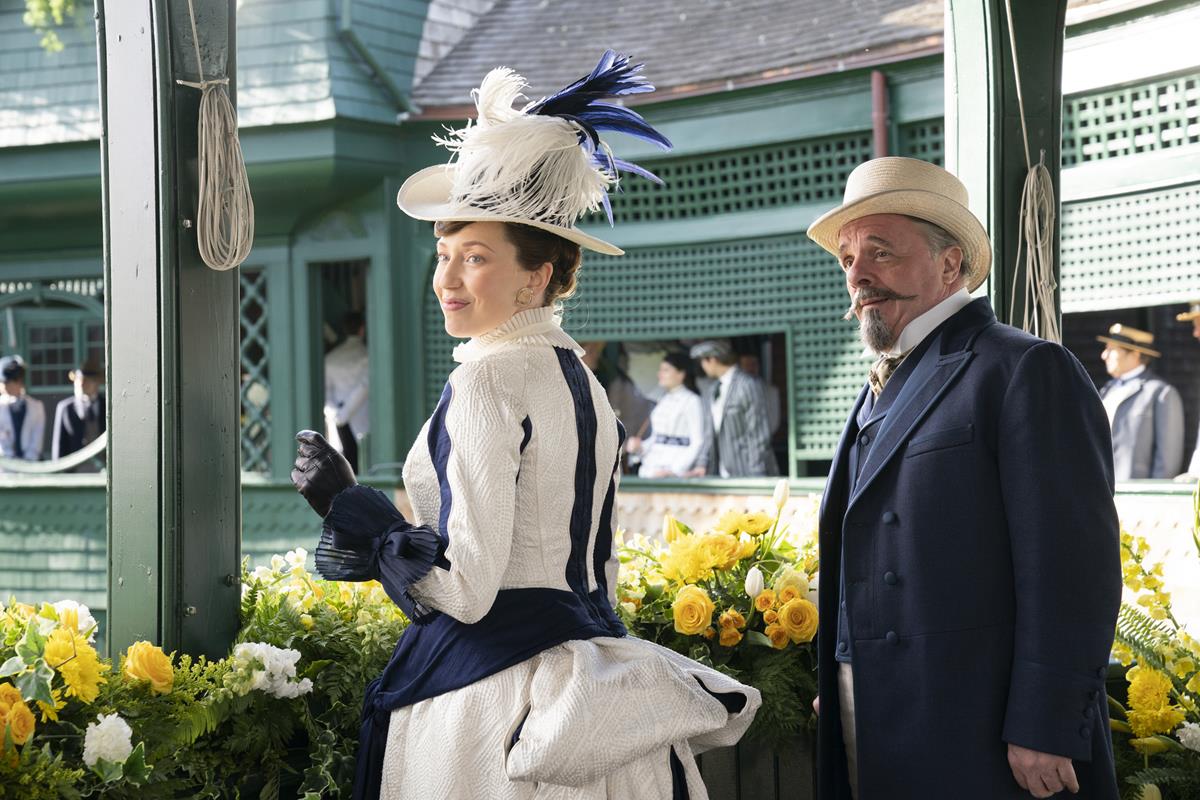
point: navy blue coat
(987, 501)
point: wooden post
(174, 506)
(984, 145)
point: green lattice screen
(438, 346)
(783, 283)
(1134, 250)
(795, 173)
(256, 379)
(1135, 119)
(925, 140)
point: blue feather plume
(582, 103)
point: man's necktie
(882, 370)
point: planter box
(756, 772)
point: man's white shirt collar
(1133, 373)
(915, 332)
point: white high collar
(915, 331)
(535, 326)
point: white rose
(110, 738)
(754, 582)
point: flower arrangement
(156, 725)
(739, 597)
(1156, 732)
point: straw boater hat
(1192, 313)
(1131, 339)
(543, 165)
(895, 185)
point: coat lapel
(835, 485)
(924, 387)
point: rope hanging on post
(1037, 228)
(225, 224)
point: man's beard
(874, 332)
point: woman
(676, 424)
(516, 679)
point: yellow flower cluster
(70, 655)
(15, 716)
(1150, 709)
(752, 523)
(732, 623)
(692, 557)
(1143, 578)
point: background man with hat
(80, 419)
(969, 521)
(22, 418)
(1145, 412)
(1192, 315)
(740, 432)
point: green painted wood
(983, 124)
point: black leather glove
(320, 472)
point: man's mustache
(869, 295)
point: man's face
(891, 275)
(710, 366)
(14, 388)
(1119, 360)
(1196, 328)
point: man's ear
(951, 263)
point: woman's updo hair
(534, 248)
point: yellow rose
(764, 601)
(787, 594)
(9, 696)
(730, 637)
(76, 661)
(777, 635)
(799, 618)
(732, 619)
(147, 662)
(20, 723)
(770, 617)
(710, 633)
(692, 610)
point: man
(737, 410)
(80, 419)
(22, 418)
(630, 405)
(1145, 412)
(347, 411)
(1192, 315)
(968, 531)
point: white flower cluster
(86, 623)
(109, 738)
(1189, 736)
(266, 668)
(287, 576)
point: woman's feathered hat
(543, 165)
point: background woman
(516, 679)
(677, 429)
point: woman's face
(669, 377)
(478, 280)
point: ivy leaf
(109, 771)
(12, 666)
(137, 771)
(35, 684)
(32, 645)
(758, 638)
(315, 668)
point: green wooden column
(172, 338)
(983, 121)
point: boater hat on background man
(913, 188)
(543, 165)
(1131, 339)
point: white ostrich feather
(524, 166)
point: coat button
(889, 517)
(1087, 713)
(890, 578)
(1093, 695)
(1085, 732)
(843, 647)
(893, 637)
(864, 440)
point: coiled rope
(1037, 229)
(225, 213)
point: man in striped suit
(737, 411)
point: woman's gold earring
(525, 296)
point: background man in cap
(1192, 315)
(22, 418)
(968, 532)
(80, 419)
(1145, 412)
(737, 404)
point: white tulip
(754, 582)
(782, 493)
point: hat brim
(1136, 347)
(957, 220)
(426, 196)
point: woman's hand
(633, 444)
(320, 472)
